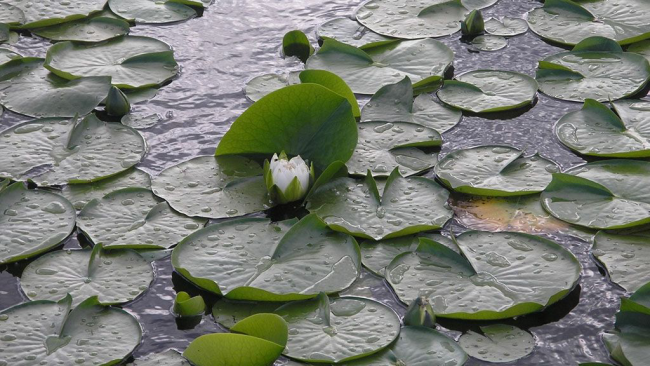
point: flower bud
(287, 180)
(117, 104)
(420, 314)
(473, 24)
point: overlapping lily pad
(499, 343)
(260, 86)
(115, 276)
(629, 342)
(254, 259)
(407, 206)
(134, 218)
(496, 276)
(506, 26)
(130, 61)
(483, 91)
(45, 13)
(11, 14)
(624, 257)
(7, 55)
(26, 87)
(611, 194)
(95, 29)
(367, 70)
(32, 221)
(167, 358)
(495, 171)
(350, 32)
(152, 11)
(642, 48)
(81, 194)
(56, 151)
(228, 312)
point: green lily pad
(367, 70)
(496, 276)
(115, 276)
(32, 221)
(11, 14)
(167, 358)
(266, 265)
(26, 87)
(395, 103)
(56, 151)
(610, 194)
(95, 29)
(642, 48)
(506, 27)
(596, 68)
(131, 61)
(597, 131)
(260, 86)
(210, 187)
(417, 346)
(134, 218)
(499, 343)
(483, 91)
(337, 330)
(318, 124)
(489, 43)
(413, 20)
(349, 31)
(152, 11)
(228, 312)
(568, 22)
(43, 332)
(624, 257)
(7, 55)
(407, 206)
(81, 194)
(639, 301)
(495, 171)
(44, 13)
(629, 342)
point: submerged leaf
(499, 343)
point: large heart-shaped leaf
(367, 70)
(483, 91)
(349, 31)
(597, 131)
(206, 186)
(495, 171)
(26, 87)
(115, 276)
(32, 221)
(611, 194)
(152, 11)
(81, 194)
(45, 333)
(130, 61)
(407, 206)
(496, 276)
(135, 218)
(95, 29)
(253, 259)
(337, 330)
(498, 343)
(44, 13)
(308, 120)
(569, 22)
(506, 27)
(624, 257)
(56, 151)
(167, 358)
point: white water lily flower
(287, 180)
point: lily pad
(337, 330)
(134, 218)
(385, 146)
(395, 103)
(407, 206)
(642, 48)
(7, 55)
(624, 257)
(45, 13)
(506, 27)
(81, 194)
(140, 121)
(349, 31)
(228, 312)
(495, 171)
(56, 151)
(629, 343)
(32, 221)
(114, 277)
(478, 4)
(496, 276)
(610, 194)
(26, 87)
(43, 332)
(131, 61)
(596, 68)
(214, 188)
(94, 29)
(413, 19)
(484, 91)
(597, 131)
(167, 358)
(11, 14)
(499, 343)
(568, 22)
(260, 86)
(417, 346)
(152, 11)
(253, 259)
(367, 70)
(489, 43)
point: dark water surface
(236, 40)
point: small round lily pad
(499, 343)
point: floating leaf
(140, 121)
(499, 343)
(167, 358)
(260, 86)
(295, 43)
(478, 4)
(350, 32)
(55, 151)
(152, 11)
(228, 313)
(114, 277)
(624, 257)
(266, 326)
(489, 43)
(334, 83)
(94, 29)
(11, 15)
(629, 343)
(134, 218)
(131, 61)
(483, 91)
(29, 229)
(642, 48)
(81, 194)
(7, 55)
(367, 70)
(185, 305)
(45, 13)
(496, 276)
(506, 27)
(407, 206)
(609, 194)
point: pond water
(236, 40)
